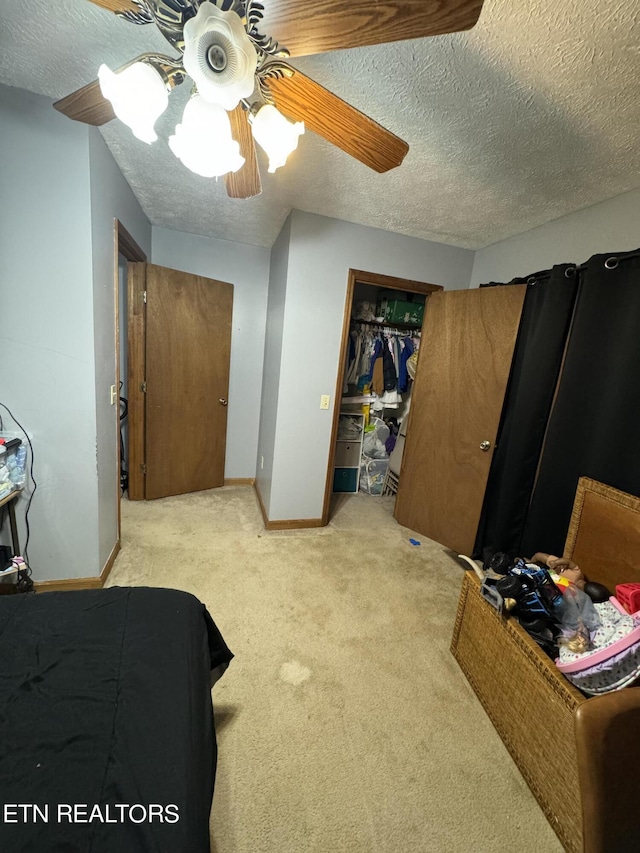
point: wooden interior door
(456, 403)
(186, 353)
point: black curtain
(546, 317)
(594, 428)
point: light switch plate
(324, 401)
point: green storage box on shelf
(345, 479)
(401, 311)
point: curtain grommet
(611, 263)
(570, 272)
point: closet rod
(408, 331)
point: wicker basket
(530, 703)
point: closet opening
(381, 336)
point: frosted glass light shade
(203, 140)
(219, 56)
(139, 97)
(275, 134)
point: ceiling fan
(244, 89)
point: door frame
(389, 282)
(123, 244)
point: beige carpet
(344, 724)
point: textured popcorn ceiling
(531, 115)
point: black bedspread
(107, 742)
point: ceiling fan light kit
(138, 95)
(219, 56)
(276, 135)
(203, 140)
(244, 91)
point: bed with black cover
(107, 743)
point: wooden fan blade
(340, 24)
(245, 183)
(302, 99)
(87, 105)
(116, 5)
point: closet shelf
(346, 471)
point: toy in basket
(607, 655)
(594, 640)
(614, 662)
(628, 594)
(599, 641)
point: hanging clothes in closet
(377, 361)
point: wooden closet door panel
(188, 347)
(463, 369)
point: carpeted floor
(344, 724)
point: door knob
(223, 401)
(485, 445)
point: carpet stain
(293, 672)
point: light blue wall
(247, 268)
(272, 363)
(610, 226)
(46, 334)
(111, 199)
(321, 253)
(61, 190)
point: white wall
(111, 198)
(46, 335)
(610, 226)
(321, 253)
(247, 268)
(272, 363)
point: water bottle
(17, 466)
